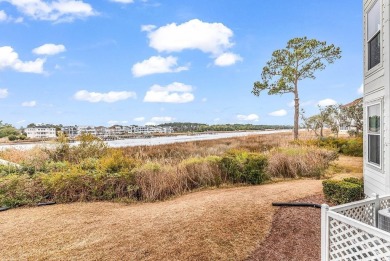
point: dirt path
(222, 224)
(295, 234)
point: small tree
(300, 59)
(334, 116)
(328, 116)
(317, 122)
(352, 116)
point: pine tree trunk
(296, 119)
(296, 112)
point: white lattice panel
(364, 213)
(384, 204)
(348, 243)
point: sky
(141, 62)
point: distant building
(41, 133)
(86, 130)
(115, 130)
(152, 129)
(70, 131)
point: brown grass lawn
(219, 224)
(346, 167)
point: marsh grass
(299, 161)
(94, 172)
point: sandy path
(221, 224)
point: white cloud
(211, 38)
(3, 93)
(148, 28)
(173, 93)
(150, 123)
(227, 59)
(327, 102)
(250, 117)
(112, 122)
(278, 113)
(157, 64)
(162, 119)
(29, 104)
(123, 1)
(361, 89)
(19, 20)
(58, 11)
(204, 99)
(10, 59)
(3, 16)
(217, 119)
(84, 95)
(139, 119)
(301, 104)
(49, 49)
(21, 121)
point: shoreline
(154, 141)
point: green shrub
(81, 185)
(18, 190)
(354, 181)
(353, 147)
(12, 137)
(116, 161)
(345, 146)
(244, 167)
(8, 169)
(343, 191)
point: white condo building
(40, 133)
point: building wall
(376, 90)
(40, 133)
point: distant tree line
(201, 127)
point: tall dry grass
(156, 172)
(299, 161)
(176, 152)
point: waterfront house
(41, 133)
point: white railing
(349, 232)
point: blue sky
(150, 61)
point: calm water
(155, 141)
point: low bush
(19, 190)
(202, 172)
(12, 137)
(89, 147)
(116, 161)
(343, 191)
(241, 166)
(353, 147)
(78, 185)
(8, 170)
(345, 146)
(297, 161)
